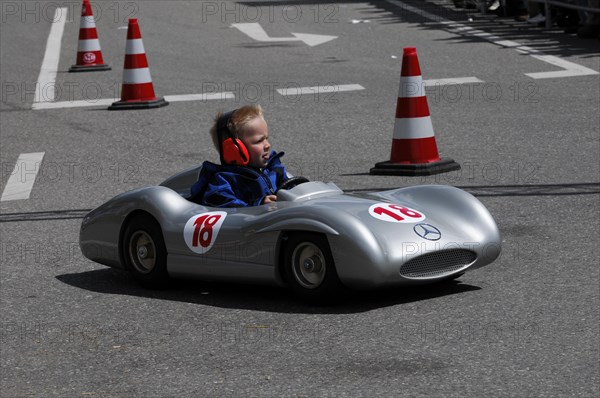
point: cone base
(388, 168)
(126, 105)
(91, 68)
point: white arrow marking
(256, 32)
(569, 68)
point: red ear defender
(235, 152)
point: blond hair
(239, 121)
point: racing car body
(315, 237)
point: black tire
(145, 253)
(309, 269)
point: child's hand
(269, 199)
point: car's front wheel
(145, 253)
(309, 268)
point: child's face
(256, 139)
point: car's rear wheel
(145, 253)
(309, 268)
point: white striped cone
(89, 54)
(414, 149)
(414, 140)
(137, 91)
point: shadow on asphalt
(257, 298)
(433, 15)
(586, 188)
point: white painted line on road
(200, 97)
(452, 80)
(108, 101)
(74, 104)
(45, 87)
(507, 43)
(570, 69)
(291, 91)
(21, 180)
(333, 88)
(256, 32)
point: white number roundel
(395, 213)
(201, 231)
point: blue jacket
(238, 186)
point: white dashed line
(287, 92)
(21, 180)
(316, 90)
(200, 97)
(104, 102)
(452, 80)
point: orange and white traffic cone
(89, 54)
(137, 91)
(414, 150)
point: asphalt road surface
(520, 116)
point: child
(250, 172)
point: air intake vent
(438, 264)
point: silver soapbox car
(316, 239)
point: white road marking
(414, 86)
(506, 43)
(569, 69)
(21, 180)
(316, 90)
(452, 80)
(256, 32)
(200, 97)
(74, 104)
(45, 86)
(108, 101)
(287, 92)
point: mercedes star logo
(427, 231)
